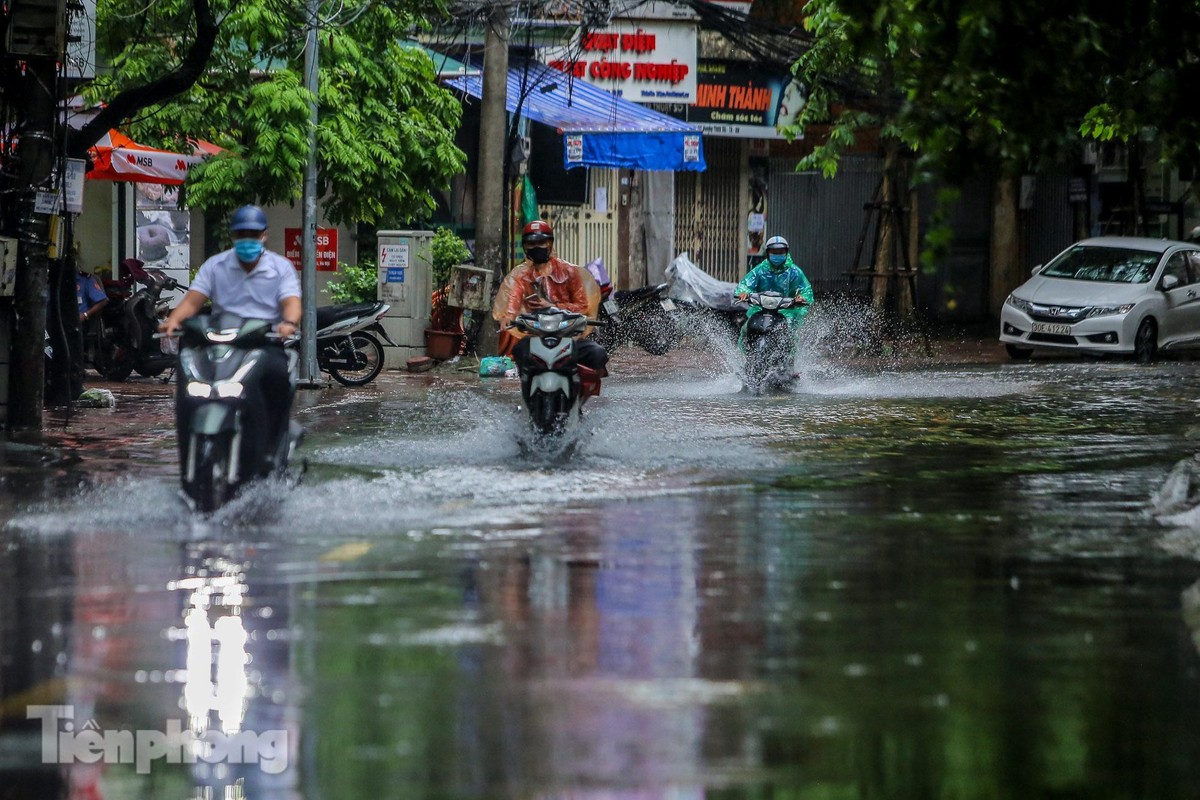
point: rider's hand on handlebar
(168, 326)
(743, 297)
(285, 329)
(800, 301)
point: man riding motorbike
(777, 273)
(544, 280)
(251, 282)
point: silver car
(1112, 294)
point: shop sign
(327, 248)
(639, 60)
(738, 99)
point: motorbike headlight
(229, 389)
(1019, 304)
(198, 389)
(1105, 311)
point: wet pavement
(923, 574)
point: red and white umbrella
(116, 157)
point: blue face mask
(248, 249)
(777, 260)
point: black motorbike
(769, 345)
(123, 339)
(347, 347)
(554, 384)
(642, 316)
(225, 441)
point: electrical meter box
(405, 265)
(8, 266)
(470, 287)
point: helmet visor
(536, 239)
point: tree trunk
(1006, 271)
(882, 256)
(892, 285)
(1137, 187)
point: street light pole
(309, 371)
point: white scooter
(554, 384)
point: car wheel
(1018, 353)
(1145, 342)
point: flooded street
(915, 580)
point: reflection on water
(909, 583)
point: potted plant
(444, 335)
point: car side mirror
(1169, 282)
(1037, 269)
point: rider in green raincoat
(778, 273)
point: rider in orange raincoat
(545, 280)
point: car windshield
(1112, 264)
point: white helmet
(776, 242)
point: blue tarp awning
(599, 129)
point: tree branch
(175, 82)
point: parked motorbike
(123, 339)
(555, 385)
(769, 345)
(347, 347)
(642, 316)
(704, 303)
(224, 443)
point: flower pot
(442, 345)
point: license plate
(667, 303)
(1051, 327)
(611, 307)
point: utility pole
(36, 161)
(490, 189)
(309, 371)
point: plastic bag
(495, 366)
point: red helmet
(537, 232)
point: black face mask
(538, 255)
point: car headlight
(1019, 304)
(1104, 311)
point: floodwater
(905, 580)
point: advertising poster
(737, 99)
(163, 230)
(756, 220)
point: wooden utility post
(493, 137)
(26, 394)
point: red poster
(327, 248)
